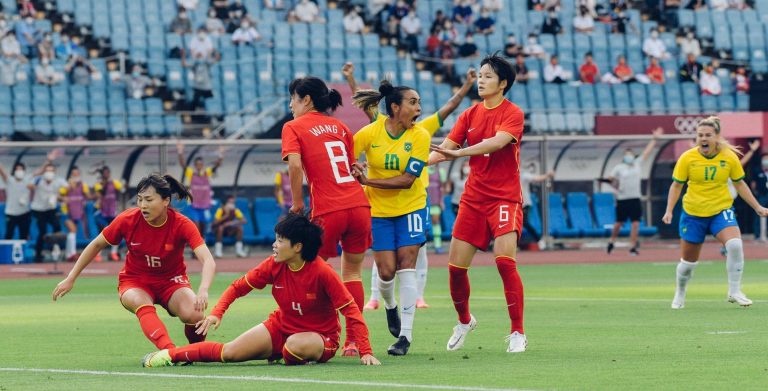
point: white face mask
(465, 170)
(629, 159)
(765, 163)
(48, 175)
(75, 179)
(19, 174)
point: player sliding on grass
(154, 271)
(491, 206)
(708, 207)
(305, 328)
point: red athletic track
(658, 251)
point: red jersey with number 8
(327, 149)
(155, 251)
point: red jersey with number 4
(494, 176)
(327, 152)
(307, 299)
(156, 251)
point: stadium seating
(581, 217)
(558, 226)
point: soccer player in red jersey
(491, 206)
(304, 328)
(154, 271)
(322, 147)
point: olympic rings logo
(687, 125)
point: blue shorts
(102, 221)
(199, 215)
(391, 233)
(694, 229)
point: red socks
(458, 281)
(513, 291)
(153, 327)
(355, 288)
(292, 359)
(198, 352)
(192, 337)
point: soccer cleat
(400, 347)
(393, 321)
(114, 257)
(740, 299)
(241, 254)
(460, 332)
(160, 358)
(609, 248)
(633, 251)
(350, 350)
(371, 305)
(420, 303)
(678, 302)
(517, 342)
(97, 258)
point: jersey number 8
(336, 160)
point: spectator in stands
(653, 46)
(521, 70)
(493, 5)
(353, 23)
(709, 82)
(274, 4)
(741, 81)
(201, 46)
(462, 11)
(551, 23)
(655, 72)
(696, 4)
(691, 70)
(533, 48)
(392, 30)
(45, 47)
(202, 85)
(214, 25)
(46, 74)
(439, 21)
(181, 24)
(26, 8)
(668, 10)
(5, 26)
(10, 59)
(27, 35)
(485, 24)
(433, 42)
(554, 72)
(69, 47)
(222, 8)
(282, 191)
(410, 27)
(246, 34)
(136, 84)
(588, 72)
(512, 48)
(80, 70)
(236, 12)
(619, 22)
(540, 5)
(690, 45)
(529, 176)
(622, 73)
(18, 189)
(447, 55)
(399, 9)
(228, 221)
(590, 5)
(449, 32)
(190, 5)
(583, 22)
(718, 5)
(307, 12)
(45, 205)
(468, 48)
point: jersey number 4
(337, 160)
(296, 307)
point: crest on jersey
(722, 163)
(408, 147)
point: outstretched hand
(203, 326)
(754, 145)
(471, 76)
(657, 132)
(368, 359)
(448, 154)
(348, 70)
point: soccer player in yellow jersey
(432, 124)
(708, 207)
(396, 151)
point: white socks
(734, 264)
(71, 244)
(421, 272)
(217, 250)
(375, 295)
(684, 273)
(114, 249)
(387, 291)
(407, 301)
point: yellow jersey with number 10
(707, 179)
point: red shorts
(160, 289)
(331, 344)
(351, 227)
(477, 224)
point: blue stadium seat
(539, 122)
(657, 104)
(691, 98)
(266, 212)
(674, 97)
(639, 98)
(558, 226)
(604, 98)
(742, 102)
(709, 104)
(552, 96)
(621, 99)
(604, 205)
(581, 217)
(534, 215)
(726, 102)
(573, 122)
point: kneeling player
(305, 328)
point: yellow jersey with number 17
(707, 179)
(389, 157)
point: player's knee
(190, 316)
(734, 246)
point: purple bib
(200, 188)
(76, 202)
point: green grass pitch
(589, 327)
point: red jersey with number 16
(327, 152)
(495, 176)
(156, 251)
(307, 298)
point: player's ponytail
(334, 99)
(368, 100)
(165, 185)
(722, 143)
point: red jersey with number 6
(156, 251)
(327, 149)
(494, 176)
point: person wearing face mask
(214, 25)
(45, 48)
(410, 27)
(107, 191)
(137, 83)
(626, 178)
(653, 46)
(527, 177)
(74, 195)
(512, 48)
(551, 24)
(181, 24)
(485, 23)
(245, 34)
(709, 83)
(18, 188)
(690, 45)
(45, 206)
(46, 74)
(307, 11)
(533, 48)
(228, 221)
(201, 46)
(27, 35)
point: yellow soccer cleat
(160, 358)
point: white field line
(251, 379)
